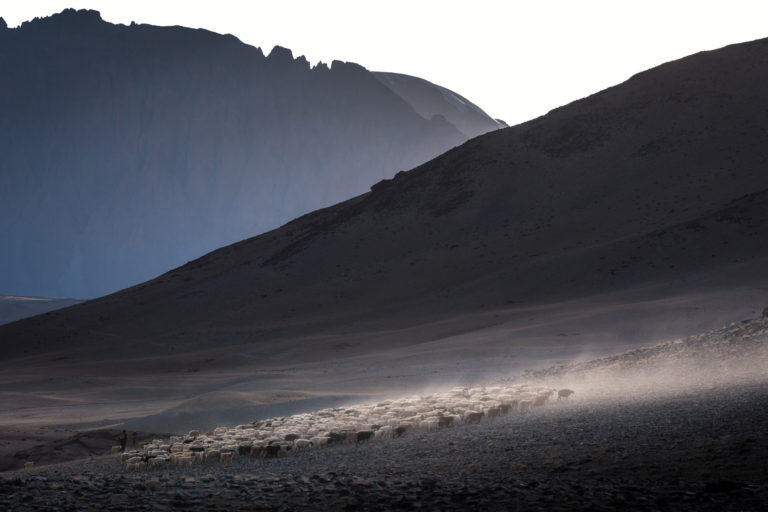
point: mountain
(15, 308)
(636, 214)
(129, 150)
(429, 100)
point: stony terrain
(692, 451)
(681, 445)
(20, 446)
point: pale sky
(515, 59)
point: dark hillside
(658, 181)
(129, 150)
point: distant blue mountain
(128, 150)
(15, 308)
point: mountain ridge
(131, 149)
(430, 99)
(14, 308)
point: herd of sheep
(390, 418)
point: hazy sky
(515, 59)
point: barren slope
(648, 197)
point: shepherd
(123, 438)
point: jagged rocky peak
(280, 54)
(301, 59)
(338, 65)
(321, 66)
(3, 24)
(71, 17)
(283, 57)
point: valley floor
(700, 449)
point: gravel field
(699, 450)
(678, 426)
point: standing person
(123, 438)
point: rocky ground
(21, 445)
(698, 446)
(703, 450)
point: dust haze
(736, 355)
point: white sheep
(158, 462)
(302, 444)
(319, 441)
(430, 424)
(473, 416)
(390, 418)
